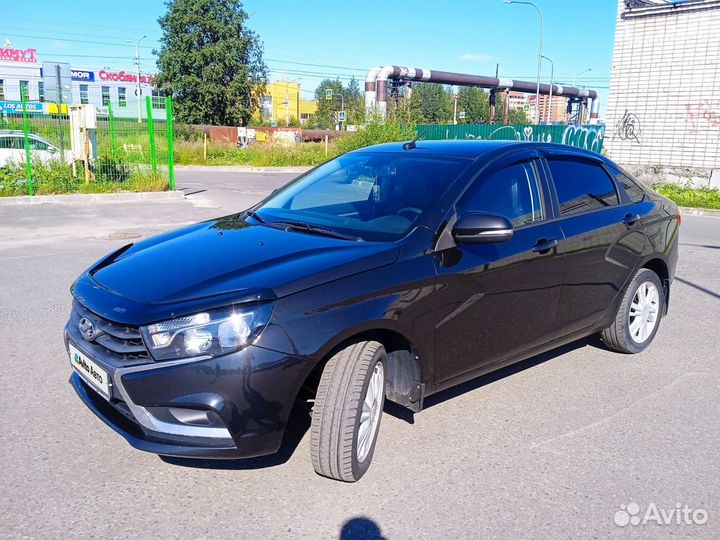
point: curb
(708, 212)
(88, 198)
(243, 168)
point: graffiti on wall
(587, 137)
(705, 113)
(628, 128)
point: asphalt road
(550, 448)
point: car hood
(226, 258)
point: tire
(336, 447)
(624, 335)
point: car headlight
(210, 333)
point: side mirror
(482, 228)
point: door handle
(543, 246)
(631, 219)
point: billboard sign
(83, 75)
(22, 56)
(15, 107)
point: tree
(210, 62)
(355, 103)
(430, 103)
(325, 115)
(474, 102)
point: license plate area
(93, 374)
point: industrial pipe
(462, 79)
(370, 89)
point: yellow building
(282, 104)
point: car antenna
(410, 145)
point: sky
(309, 40)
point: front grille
(118, 340)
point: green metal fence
(588, 137)
(85, 153)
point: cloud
(468, 57)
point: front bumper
(251, 393)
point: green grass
(257, 155)
(690, 197)
(57, 178)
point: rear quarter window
(630, 186)
(581, 186)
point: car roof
(11, 132)
(473, 149)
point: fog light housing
(187, 417)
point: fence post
(26, 130)
(111, 126)
(171, 143)
(151, 133)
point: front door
(495, 300)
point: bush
(107, 169)
(376, 132)
(184, 132)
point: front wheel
(638, 316)
(347, 412)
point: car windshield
(375, 197)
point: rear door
(602, 238)
(495, 300)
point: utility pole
(492, 97)
(138, 92)
(59, 112)
(455, 100)
(578, 119)
(540, 55)
(552, 76)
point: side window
(581, 185)
(5, 142)
(37, 144)
(634, 192)
(513, 192)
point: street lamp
(540, 54)
(552, 78)
(579, 120)
(137, 74)
(580, 73)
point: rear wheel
(638, 316)
(347, 412)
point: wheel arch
(406, 373)
(658, 265)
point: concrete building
(664, 99)
(554, 112)
(282, 104)
(518, 100)
(21, 68)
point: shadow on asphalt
(698, 287)
(361, 528)
(299, 422)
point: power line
(79, 41)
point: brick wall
(664, 99)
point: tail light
(679, 218)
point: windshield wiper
(312, 229)
(253, 214)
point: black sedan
(394, 271)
